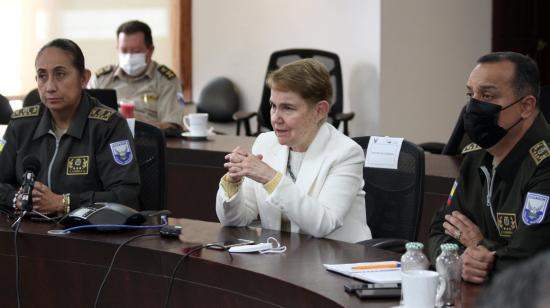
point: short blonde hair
(307, 77)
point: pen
(376, 266)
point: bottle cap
(449, 247)
(414, 245)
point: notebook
(377, 272)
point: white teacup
(197, 124)
(420, 288)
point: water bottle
(413, 259)
(448, 266)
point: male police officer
(155, 90)
(497, 207)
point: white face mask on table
(132, 63)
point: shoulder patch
(31, 111)
(166, 72)
(104, 70)
(471, 148)
(101, 113)
(539, 152)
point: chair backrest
(105, 96)
(151, 156)
(220, 99)
(394, 197)
(32, 98)
(282, 57)
(458, 139)
(5, 110)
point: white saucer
(188, 135)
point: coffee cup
(421, 288)
(196, 124)
(126, 108)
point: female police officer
(85, 149)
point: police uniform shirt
(514, 222)
(157, 93)
(94, 161)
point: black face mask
(481, 122)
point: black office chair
(220, 99)
(457, 141)
(282, 57)
(151, 155)
(32, 98)
(5, 110)
(394, 198)
(105, 96)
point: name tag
(78, 165)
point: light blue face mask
(132, 63)
(272, 246)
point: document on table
(377, 272)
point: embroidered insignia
(179, 98)
(149, 98)
(104, 70)
(506, 223)
(78, 165)
(166, 72)
(122, 153)
(539, 152)
(101, 113)
(470, 148)
(31, 111)
(534, 208)
(450, 198)
(2, 143)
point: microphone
(31, 167)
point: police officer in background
(85, 149)
(497, 208)
(154, 89)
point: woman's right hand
(236, 156)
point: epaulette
(470, 148)
(101, 113)
(166, 72)
(31, 111)
(539, 152)
(104, 70)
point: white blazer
(327, 199)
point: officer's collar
(508, 168)
(149, 72)
(76, 129)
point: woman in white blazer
(305, 176)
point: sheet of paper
(380, 276)
(377, 272)
(383, 152)
(2, 130)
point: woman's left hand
(251, 166)
(44, 200)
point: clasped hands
(477, 261)
(43, 199)
(242, 163)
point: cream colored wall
(235, 38)
(428, 50)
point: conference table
(194, 169)
(66, 270)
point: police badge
(122, 153)
(534, 208)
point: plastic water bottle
(413, 259)
(448, 266)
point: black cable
(17, 274)
(113, 262)
(183, 257)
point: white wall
(235, 38)
(405, 62)
(428, 49)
